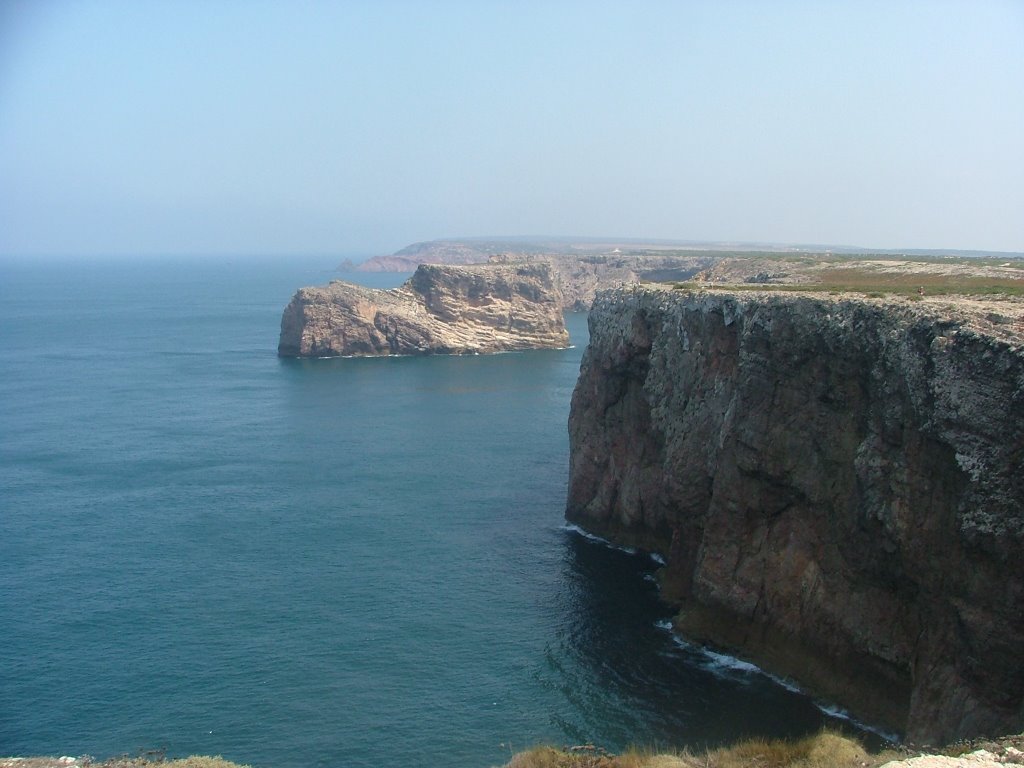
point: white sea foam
(597, 539)
(786, 683)
(573, 528)
(724, 662)
(728, 666)
(724, 665)
(841, 714)
(684, 644)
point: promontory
(441, 309)
(835, 481)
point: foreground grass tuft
(824, 750)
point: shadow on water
(634, 683)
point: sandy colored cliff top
(983, 296)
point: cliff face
(439, 310)
(837, 486)
(579, 275)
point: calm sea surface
(207, 549)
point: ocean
(206, 549)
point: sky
(355, 128)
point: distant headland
(441, 309)
(583, 266)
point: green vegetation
(877, 284)
(799, 257)
(824, 750)
(1013, 261)
(912, 282)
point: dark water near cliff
(298, 563)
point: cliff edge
(836, 484)
(439, 310)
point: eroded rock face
(837, 485)
(581, 277)
(439, 310)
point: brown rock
(837, 485)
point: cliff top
(998, 315)
(584, 267)
(427, 278)
(480, 249)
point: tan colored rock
(583, 268)
(979, 759)
(835, 482)
(581, 277)
(439, 310)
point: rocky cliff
(439, 310)
(837, 485)
(579, 273)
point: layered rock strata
(439, 310)
(837, 485)
(579, 276)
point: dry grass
(909, 283)
(824, 750)
(878, 283)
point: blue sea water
(207, 549)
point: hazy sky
(358, 127)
